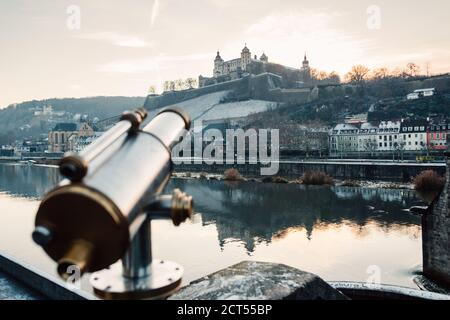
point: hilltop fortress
(244, 81)
(246, 65)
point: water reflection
(257, 213)
(27, 181)
(334, 232)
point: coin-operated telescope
(102, 212)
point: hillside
(210, 107)
(16, 116)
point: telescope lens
(68, 170)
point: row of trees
(176, 85)
(323, 77)
(359, 74)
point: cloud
(130, 66)
(116, 39)
(285, 37)
(74, 87)
(158, 63)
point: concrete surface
(11, 289)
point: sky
(80, 48)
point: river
(339, 233)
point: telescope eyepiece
(73, 167)
(42, 235)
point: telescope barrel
(166, 126)
(91, 223)
(75, 166)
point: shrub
(317, 178)
(232, 175)
(429, 180)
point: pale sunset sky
(123, 47)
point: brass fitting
(182, 207)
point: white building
(389, 135)
(344, 139)
(368, 138)
(414, 135)
(429, 92)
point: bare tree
(152, 90)
(371, 145)
(180, 84)
(169, 86)
(400, 147)
(380, 73)
(334, 78)
(191, 83)
(412, 69)
(357, 75)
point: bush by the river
(429, 180)
(232, 175)
(317, 178)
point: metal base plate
(163, 281)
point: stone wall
(436, 237)
(174, 97)
(266, 86)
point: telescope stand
(139, 276)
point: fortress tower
(246, 57)
(306, 70)
(217, 65)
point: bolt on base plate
(164, 280)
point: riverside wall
(386, 171)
